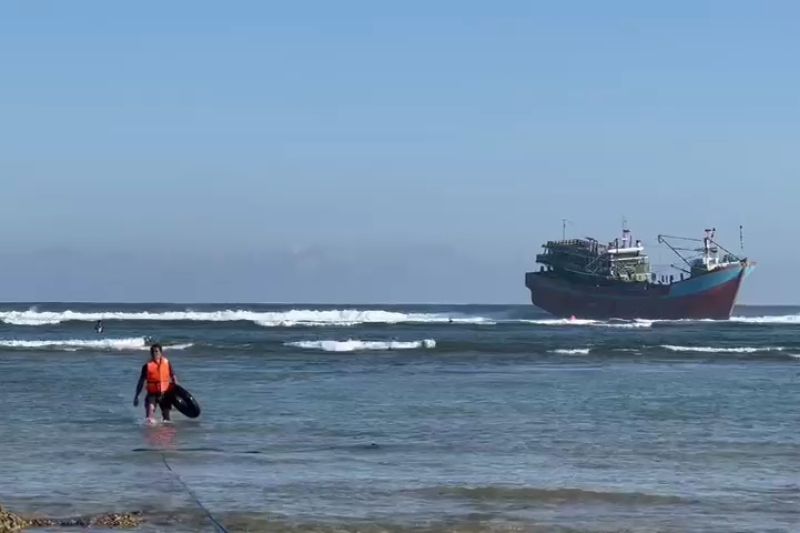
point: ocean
(405, 418)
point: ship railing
(568, 243)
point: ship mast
(564, 222)
(709, 258)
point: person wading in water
(160, 378)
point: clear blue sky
(384, 152)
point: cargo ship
(583, 278)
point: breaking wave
(349, 317)
(560, 321)
(633, 324)
(352, 345)
(300, 317)
(132, 343)
(572, 351)
(722, 349)
(294, 317)
(638, 323)
(767, 319)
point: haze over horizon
(356, 153)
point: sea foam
(131, 343)
(294, 317)
(722, 349)
(776, 319)
(339, 317)
(352, 345)
(632, 324)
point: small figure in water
(98, 327)
(160, 378)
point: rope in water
(219, 527)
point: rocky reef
(10, 522)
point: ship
(582, 278)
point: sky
(385, 152)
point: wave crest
(353, 345)
(294, 317)
(572, 351)
(131, 343)
(625, 324)
(722, 349)
(767, 319)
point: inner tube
(183, 401)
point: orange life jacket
(158, 377)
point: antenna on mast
(741, 238)
(563, 229)
(626, 235)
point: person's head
(155, 352)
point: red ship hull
(709, 296)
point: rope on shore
(219, 527)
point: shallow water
(478, 418)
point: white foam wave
(560, 321)
(294, 317)
(334, 317)
(182, 346)
(572, 351)
(722, 349)
(352, 345)
(638, 323)
(132, 343)
(777, 319)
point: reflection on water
(160, 436)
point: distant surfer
(98, 327)
(160, 378)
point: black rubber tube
(183, 401)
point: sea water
(405, 418)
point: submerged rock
(11, 523)
(117, 520)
